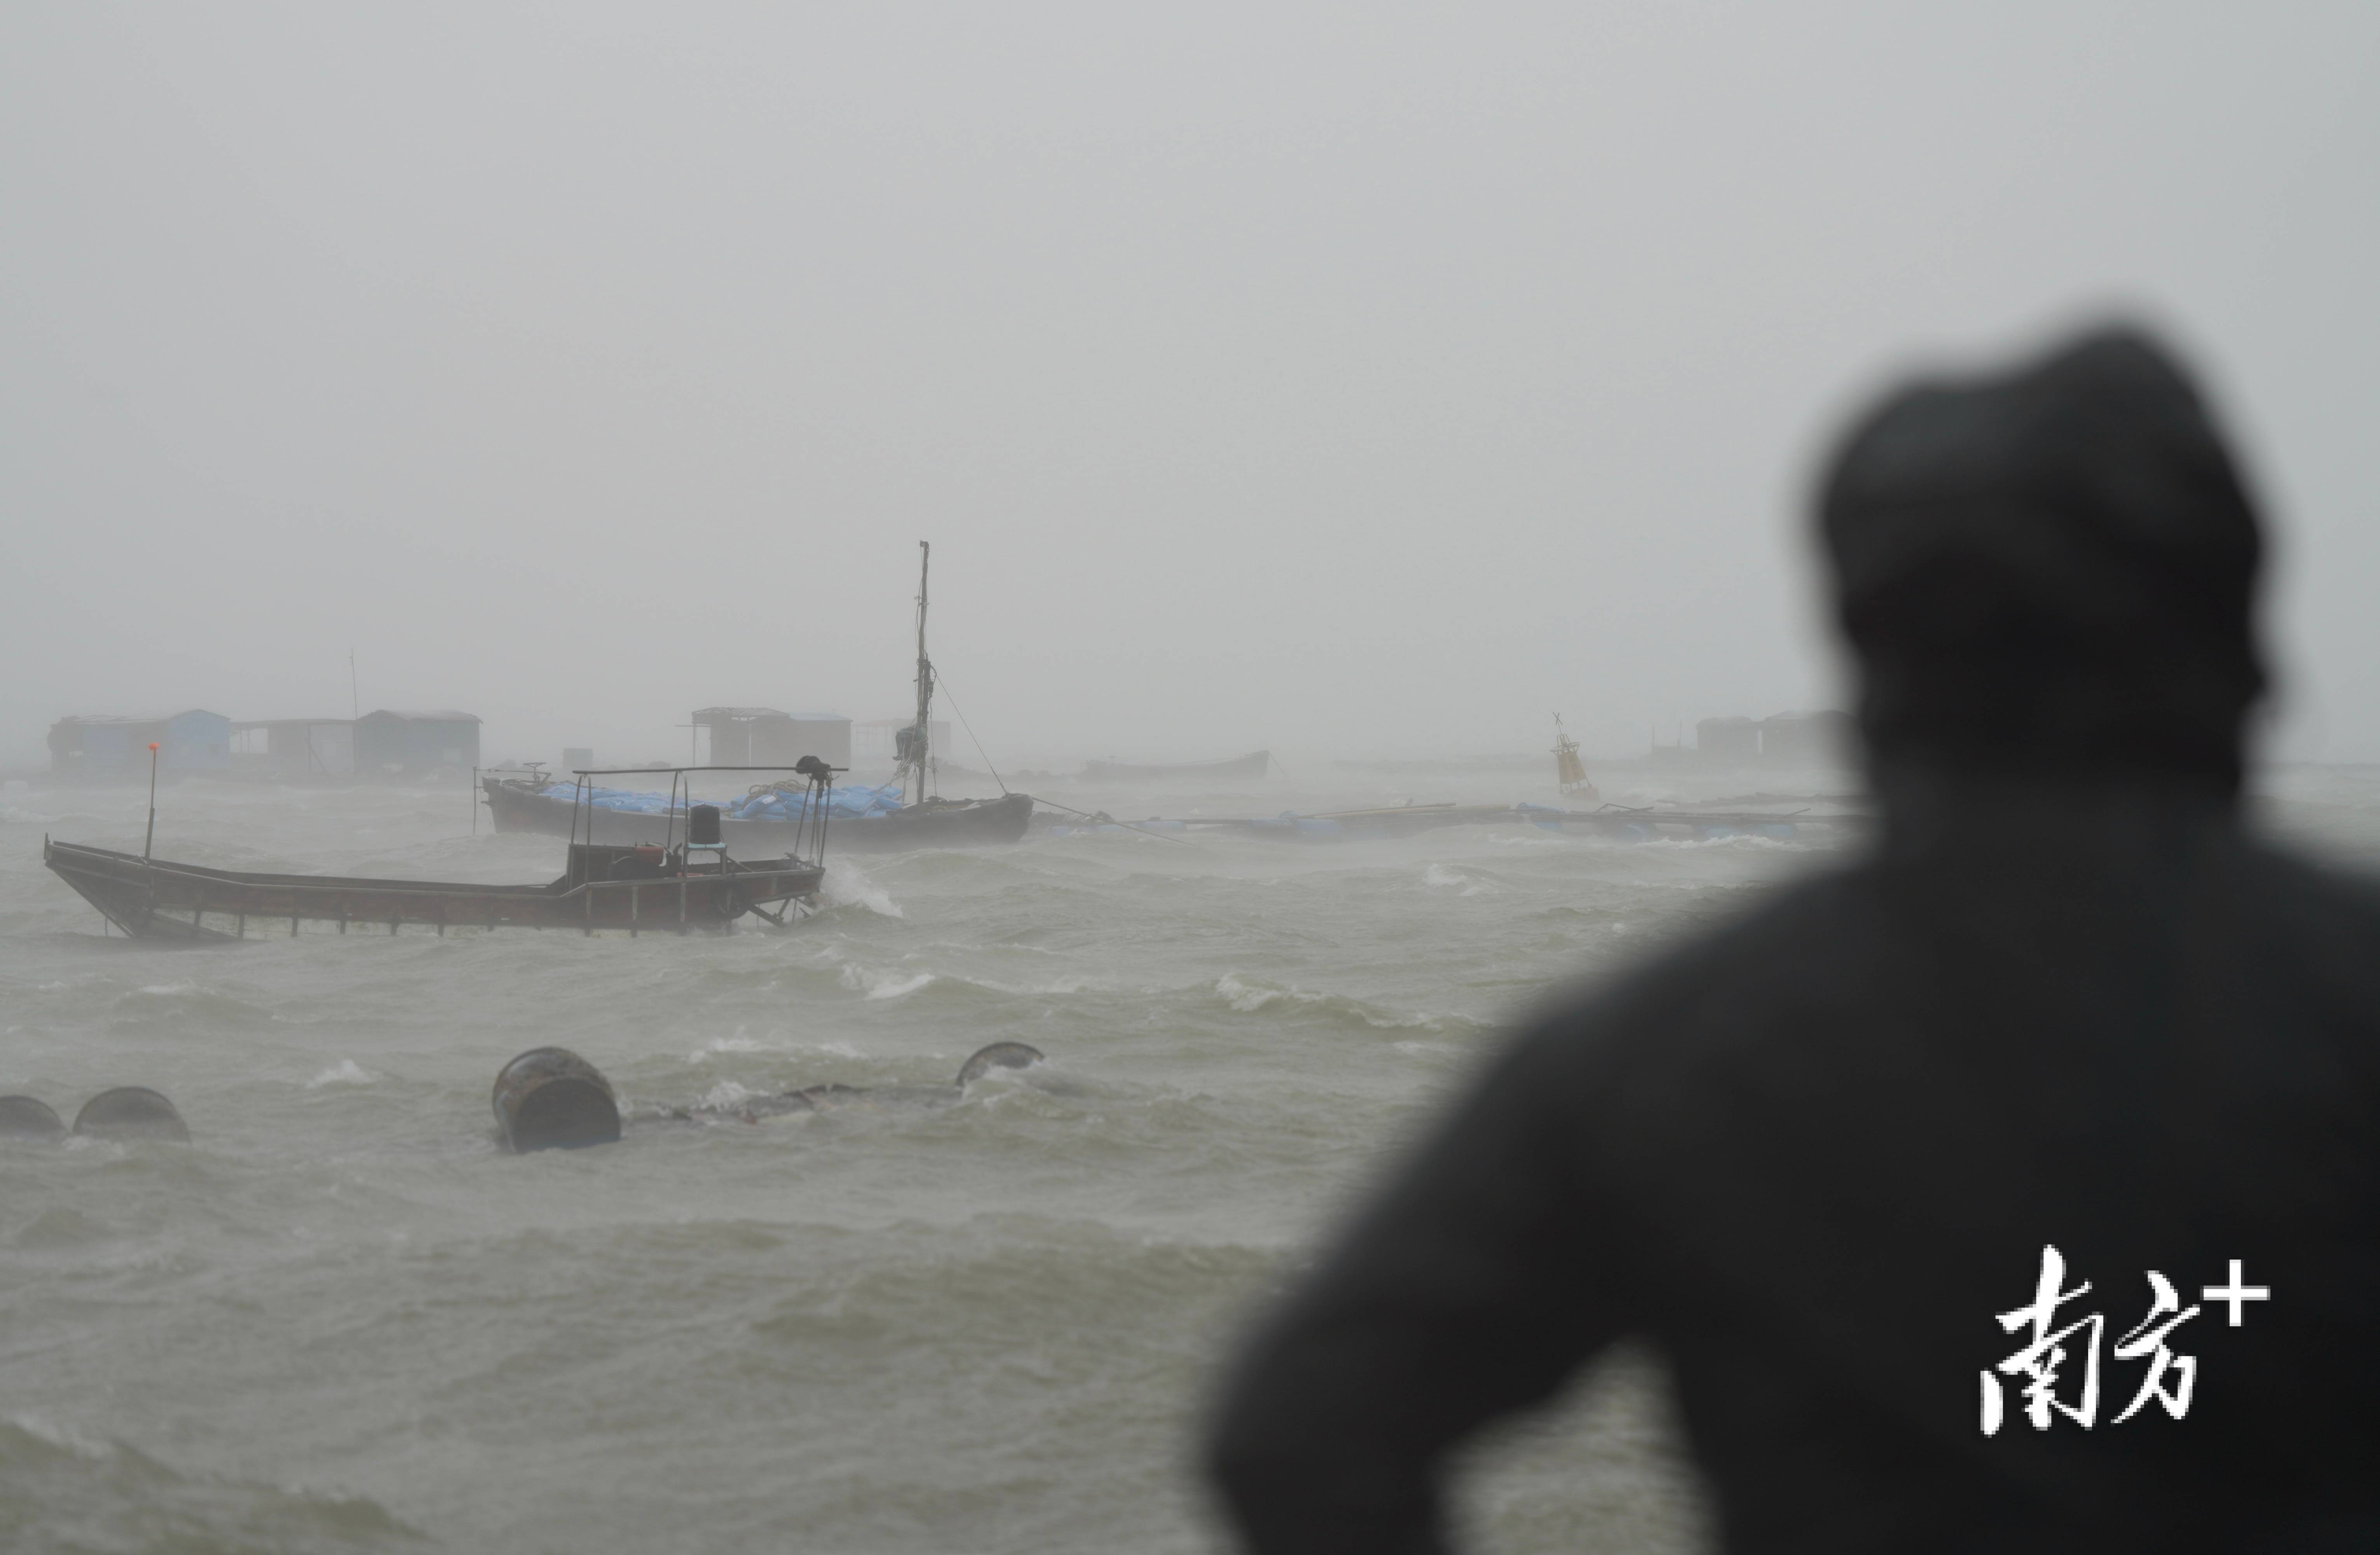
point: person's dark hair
(2050, 568)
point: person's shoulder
(2315, 909)
(1720, 989)
(2297, 879)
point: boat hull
(517, 808)
(163, 900)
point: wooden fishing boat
(523, 805)
(924, 818)
(159, 899)
(686, 881)
(1252, 766)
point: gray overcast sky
(1378, 379)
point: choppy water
(341, 1320)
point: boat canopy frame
(681, 802)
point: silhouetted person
(2068, 1002)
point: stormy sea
(342, 1319)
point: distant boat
(877, 821)
(1252, 766)
(526, 804)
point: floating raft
(1252, 766)
(1405, 821)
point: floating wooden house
(1809, 739)
(766, 737)
(1785, 739)
(391, 744)
(1727, 739)
(108, 750)
(294, 747)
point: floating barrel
(131, 1112)
(1000, 1055)
(552, 1099)
(28, 1117)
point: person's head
(2049, 571)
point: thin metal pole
(919, 749)
(149, 840)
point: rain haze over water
(1363, 387)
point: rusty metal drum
(28, 1117)
(550, 1099)
(998, 1055)
(131, 1112)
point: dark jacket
(2069, 1002)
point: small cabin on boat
(766, 737)
(112, 748)
(294, 747)
(392, 743)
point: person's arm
(1479, 1281)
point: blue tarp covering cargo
(845, 804)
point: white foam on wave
(1739, 840)
(847, 886)
(1247, 999)
(347, 1071)
(1443, 876)
(727, 1093)
(739, 1043)
(1243, 998)
(1041, 991)
(63, 1437)
(882, 982)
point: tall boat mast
(915, 758)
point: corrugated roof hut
(766, 737)
(295, 746)
(1809, 739)
(394, 744)
(1727, 739)
(110, 747)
